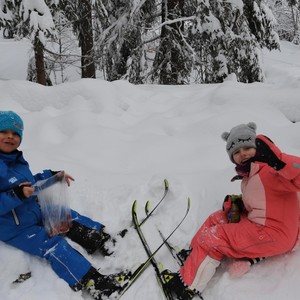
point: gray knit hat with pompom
(242, 135)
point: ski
(147, 206)
(176, 255)
(151, 255)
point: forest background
(149, 41)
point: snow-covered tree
(10, 20)
(287, 14)
(170, 64)
(80, 15)
(160, 41)
(36, 18)
(295, 11)
(41, 26)
(120, 38)
(295, 16)
(61, 50)
(204, 39)
(227, 36)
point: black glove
(18, 190)
(60, 174)
(267, 152)
(54, 172)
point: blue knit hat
(9, 120)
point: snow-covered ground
(121, 141)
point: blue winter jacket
(17, 214)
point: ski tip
(147, 207)
(166, 184)
(134, 205)
(189, 202)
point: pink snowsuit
(270, 226)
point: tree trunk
(86, 40)
(170, 61)
(39, 62)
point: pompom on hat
(242, 135)
(9, 120)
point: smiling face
(243, 154)
(9, 141)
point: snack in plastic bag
(54, 202)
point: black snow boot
(177, 287)
(90, 239)
(100, 286)
(106, 244)
(184, 254)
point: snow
(34, 9)
(120, 141)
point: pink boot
(239, 268)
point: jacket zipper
(15, 217)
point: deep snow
(120, 141)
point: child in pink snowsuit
(269, 210)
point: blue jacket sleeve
(8, 201)
(43, 175)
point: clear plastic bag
(54, 202)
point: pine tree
(160, 41)
(61, 50)
(170, 61)
(120, 30)
(287, 14)
(34, 20)
(295, 13)
(86, 40)
(227, 37)
(10, 20)
(80, 15)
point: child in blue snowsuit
(21, 220)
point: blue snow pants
(67, 262)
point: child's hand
(68, 179)
(227, 203)
(233, 206)
(269, 152)
(24, 190)
(27, 191)
(62, 175)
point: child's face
(9, 141)
(243, 154)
